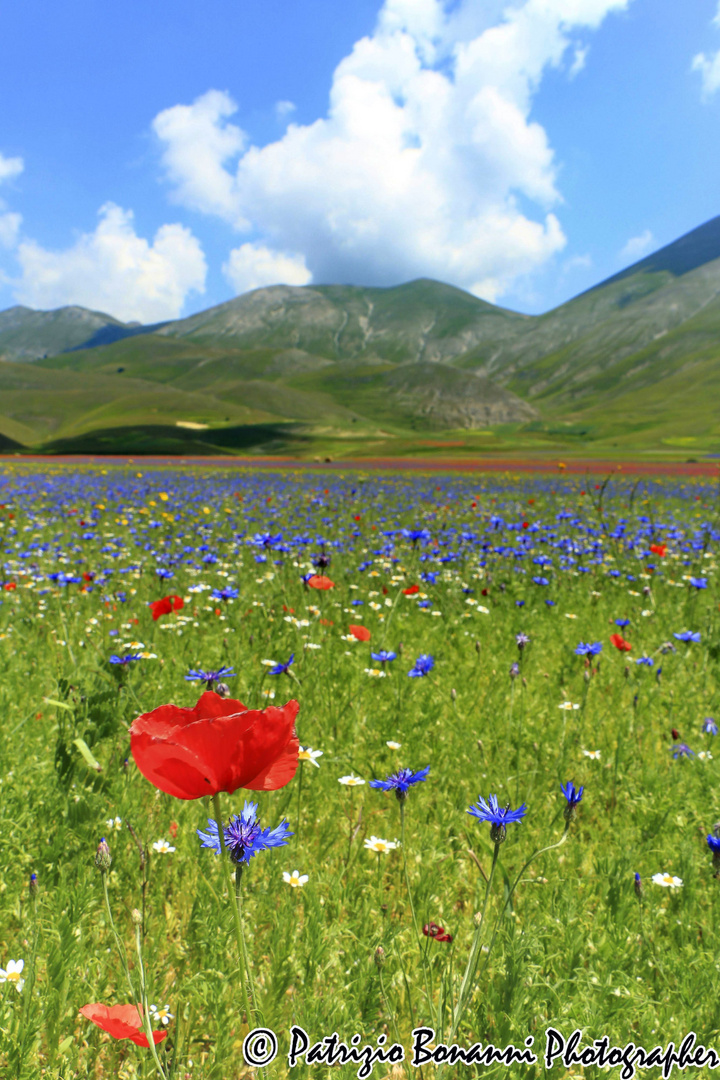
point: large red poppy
(659, 549)
(411, 590)
(360, 633)
(122, 1022)
(166, 605)
(620, 643)
(319, 581)
(219, 745)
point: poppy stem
(236, 913)
(143, 998)
(120, 947)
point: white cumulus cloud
(9, 221)
(424, 163)
(116, 271)
(709, 66)
(637, 246)
(252, 266)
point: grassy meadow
(447, 567)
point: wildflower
(422, 666)
(714, 845)
(573, 797)
(114, 823)
(351, 781)
(568, 706)
(103, 858)
(589, 650)
(709, 726)
(218, 745)
(497, 816)
(228, 593)
(667, 881)
(521, 640)
(124, 660)
(381, 846)
(318, 581)
(620, 643)
(393, 745)
(594, 755)
(514, 670)
(244, 836)
(432, 930)
(163, 848)
(310, 755)
(209, 677)
(359, 633)
(682, 750)
(659, 550)
(411, 590)
(296, 879)
(698, 582)
(162, 1015)
(122, 1022)
(646, 660)
(540, 581)
(282, 669)
(687, 636)
(638, 886)
(622, 623)
(375, 673)
(13, 974)
(165, 606)
(383, 657)
(401, 781)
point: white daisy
(13, 974)
(568, 706)
(307, 754)
(594, 755)
(381, 846)
(393, 745)
(296, 879)
(351, 781)
(375, 673)
(667, 881)
(114, 823)
(162, 847)
(162, 1015)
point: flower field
(357, 754)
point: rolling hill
(632, 363)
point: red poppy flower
(122, 1022)
(9, 586)
(438, 932)
(88, 577)
(319, 581)
(620, 643)
(219, 745)
(360, 633)
(659, 549)
(166, 605)
(411, 590)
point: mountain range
(631, 364)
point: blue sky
(158, 159)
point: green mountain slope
(633, 361)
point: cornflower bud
(379, 956)
(103, 858)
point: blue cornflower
(638, 886)
(622, 623)
(519, 603)
(228, 593)
(244, 836)
(401, 781)
(682, 750)
(573, 796)
(415, 534)
(589, 650)
(687, 636)
(282, 669)
(423, 666)
(709, 726)
(647, 660)
(209, 677)
(521, 640)
(164, 574)
(550, 603)
(125, 659)
(498, 817)
(383, 656)
(540, 581)
(714, 844)
(698, 582)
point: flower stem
(469, 976)
(248, 973)
(144, 1004)
(120, 947)
(423, 952)
(236, 913)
